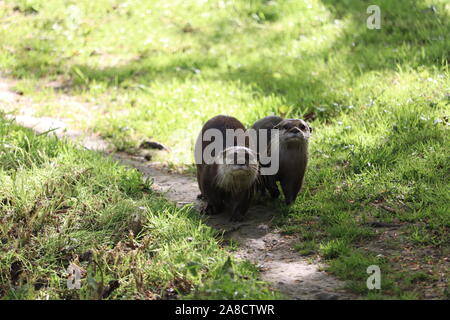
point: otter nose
(295, 130)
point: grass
(61, 205)
(158, 70)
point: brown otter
(226, 183)
(293, 155)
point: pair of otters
(228, 186)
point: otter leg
(199, 181)
(290, 190)
(215, 203)
(271, 186)
(259, 191)
(212, 209)
(240, 207)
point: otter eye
(302, 127)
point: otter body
(293, 155)
(227, 183)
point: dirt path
(287, 271)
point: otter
(228, 182)
(293, 158)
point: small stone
(148, 156)
(152, 145)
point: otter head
(238, 169)
(293, 131)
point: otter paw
(274, 194)
(289, 201)
(210, 210)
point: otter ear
(311, 129)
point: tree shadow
(411, 35)
(142, 71)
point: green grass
(160, 69)
(353, 267)
(60, 205)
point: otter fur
(293, 155)
(228, 182)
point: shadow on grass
(412, 34)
